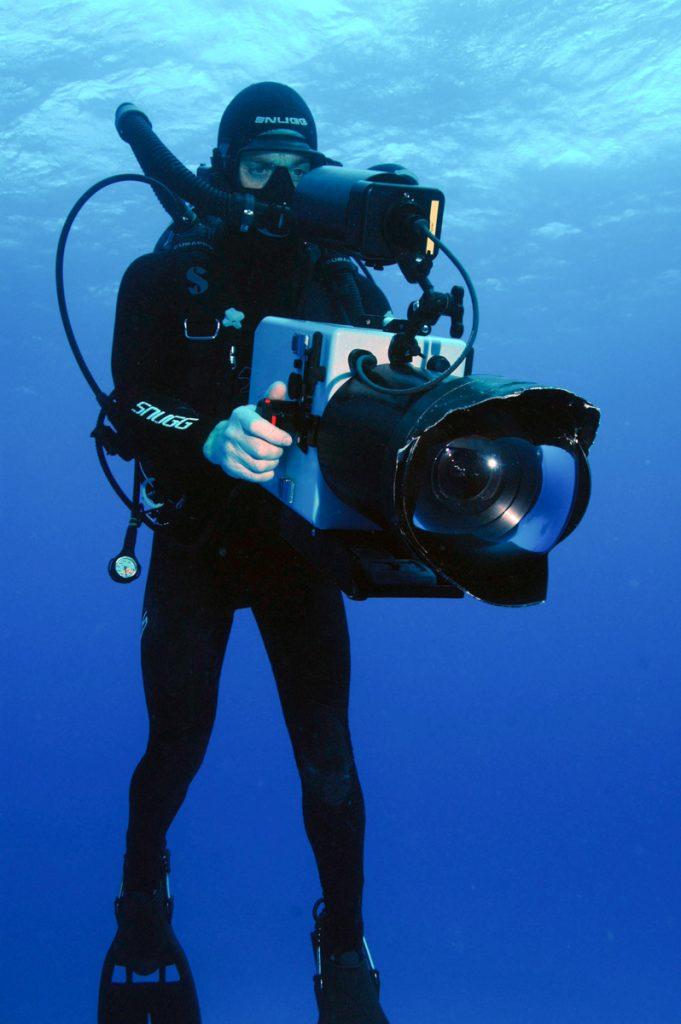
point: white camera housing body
(280, 348)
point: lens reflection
(461, 473)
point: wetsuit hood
(266, 116)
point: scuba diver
(183, 339)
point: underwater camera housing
(409, 476)
(464, 487)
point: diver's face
(256, 169)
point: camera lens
(477, 485)
(497, 489)
(461, 473)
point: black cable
(133, 504)
(418, 389)
(180, 216)
(101, 455)
(178, 210)
(365, 270)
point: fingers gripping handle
(280, 413)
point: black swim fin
(346, 985)
(145, 945)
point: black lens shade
(478, 479)
(504, 490)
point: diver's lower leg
(334, 817)
(158, 788)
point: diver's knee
(190, 735)
(323, 752)
(331, 786)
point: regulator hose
(339, 271)
(156, 160)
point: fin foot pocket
(346, 985)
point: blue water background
(520, 767)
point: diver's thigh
(185, 628)
(305, 632)
(304, 627)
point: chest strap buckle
(201, 337)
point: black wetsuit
(192, 591)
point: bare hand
(246, 446)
